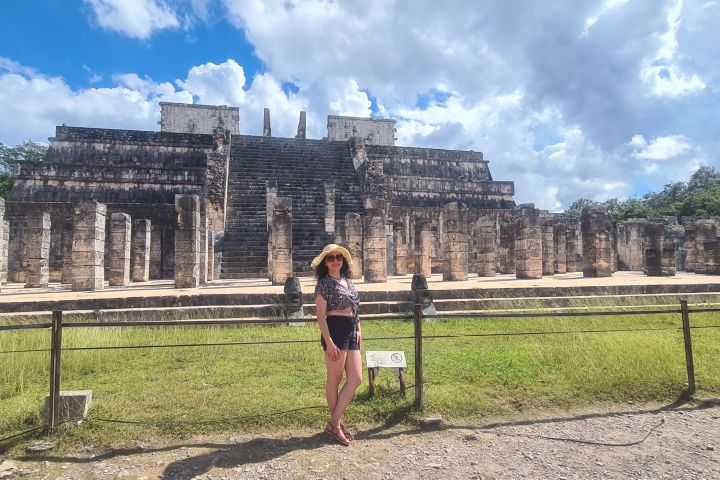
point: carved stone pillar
(423, 249)
(401, 248)
(3, 243)
(559, 245)
(528, 242)
(456, 241)
(485, 243)
(140, 250)
(37, 245)
(690, 261)
(330, 208)
(210, 255)
(548, 244)
(156, 252)
(282, 241)
(168, 246)
(573, 247)
(120, 240)
(67, 244)
(271, 192)
(267, 131)
(596, 241)
(705, 231)
(88, 246)
(374, 241)
(187, 241)
(712, 257)
(354, 242)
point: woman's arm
(320, 310)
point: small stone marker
(385, 359)
(431, 423)
(74, 405)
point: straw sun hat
(330, 249)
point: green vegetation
(277, 386)
(698, 197)
(28, 151)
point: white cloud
(660, 148)
(134, 18)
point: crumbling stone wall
(195, 118)
(372, 131)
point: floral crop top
(339, 297)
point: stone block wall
(186, 118)
(374, 132)
(88, 246)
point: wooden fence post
(688, 347)
(55, 360)
(419, 377)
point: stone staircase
(293, 164)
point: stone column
(3, 243)
(573, 247)
(655, 250)
(548, 244)
(705, 231)
(374, 241)
(37, 248)
(330, 207)
(354, 242)
(271, 192)
(187, 241)
(5, 251)
(156, 252)
(302, 126)
(88, 246)
(528, 242)
(559, 245)
(282, 267)
(505, 251)
(168, 246)
(485, 242)
(120, 240)
(140, 250)
(401, 248)
(67, 244)
(689, 245)
(267, 131)
(211, 255)
(596, 241)
(203, 246)
(712, 257)
(456, 241)
(423, 249)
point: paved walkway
(15, 292)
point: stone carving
(88, 246)
(528, 242)
(354, 243)
(302, 127)
(456, 241)
(120, 239)
(187, 241)
(293, 298)
(596, 241)
(401, 249)
(374, 241)
(485, 244)
(281, 241)
(37, 244)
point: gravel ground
(650, 444)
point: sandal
(347, 433)
(337, 433)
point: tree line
(698, 197)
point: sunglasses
(334, 258)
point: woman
(336, 303)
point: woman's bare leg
(334, 377)
(353, 380)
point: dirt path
(674, 444)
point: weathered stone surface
(282, 241)
(187, 242)
(375, 132)
(74, 405)
(596, 241)
(560, 245)
(37, 244)
(140, 250)
(156, 252)
(293, 304)
(330, 207)
(689, 245)
(712, 257)
(88, 243)
(423, 249)
(456, 241)
(354, 243)
(630, 253)
(267, 131)
(400, 246)
(705, 231)
(528, 242)
(374, 241)
(302, 126)
(194, 118)
(658, 252)
(548, 243)
(485, 244)
(120, 240)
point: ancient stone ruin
(199, 201)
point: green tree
(575, 209)
(28, 151)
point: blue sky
(607, 98)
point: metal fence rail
(57, 326)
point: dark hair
(322, 270)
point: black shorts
(343, 333)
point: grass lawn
(276, 386)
